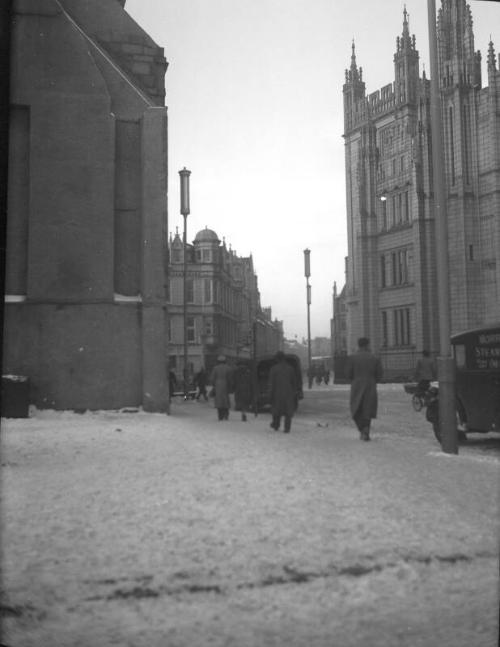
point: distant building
(391, 284)
(85, 303)
(224, 315)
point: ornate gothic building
(391, 291)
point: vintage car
(477, 357)
(262, 368)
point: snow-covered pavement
(127, 528)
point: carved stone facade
(391, 291)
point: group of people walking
(364, 371)
(281, 384)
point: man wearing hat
(363, 370)
(282, 392)
(220, 379)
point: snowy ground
(180, 531)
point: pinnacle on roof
(492, 63)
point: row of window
(395, 268)
(201, 255)
(396, 327)
(206, 291)
(395, 210)
(197, 328)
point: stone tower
(391, 290)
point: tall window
(384, 214)
(400, 267)
(465, 122)
(402, 335)
(189, 291)
(400, 207)
(394, 215)
(207, 290)
(385, 330)
(383, 279)
(406, 208)
(452, 148)
(190, 329)
(394, 267)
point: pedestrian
(327, 377)
(363, 370)
(200, 381)
(243, 389)
(425, 372)
(172, 383)
(282, 392)
(220, 378)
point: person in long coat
(282, 392)
(243, 389)
(364, 370)
(220, 379)
(200, 381)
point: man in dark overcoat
(221, 380)
(363, 370)
(200, 381)
(282, 392)
(243, 389)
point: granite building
(223, 310)
(86, 268)
(391, 291)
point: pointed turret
(354, 89)
(406, 64)
(492, 63)
(459, 64)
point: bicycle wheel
(417, 402)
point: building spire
(492, 64)
(405, 42)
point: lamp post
(445, 362)
(307, 274)
(184, 176)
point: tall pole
(307, 274)
(445, 362)
(184, 176)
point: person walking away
(200, 381)
(243, 389)
(282, 392)
(363, 370)
(425, 372)
(220, 379)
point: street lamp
(184, 176)
(445, 362)
(307, 274)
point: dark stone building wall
(85, 293)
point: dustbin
(15, 396)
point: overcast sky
(254, 94)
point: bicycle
(418, 401)
(418, 396)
